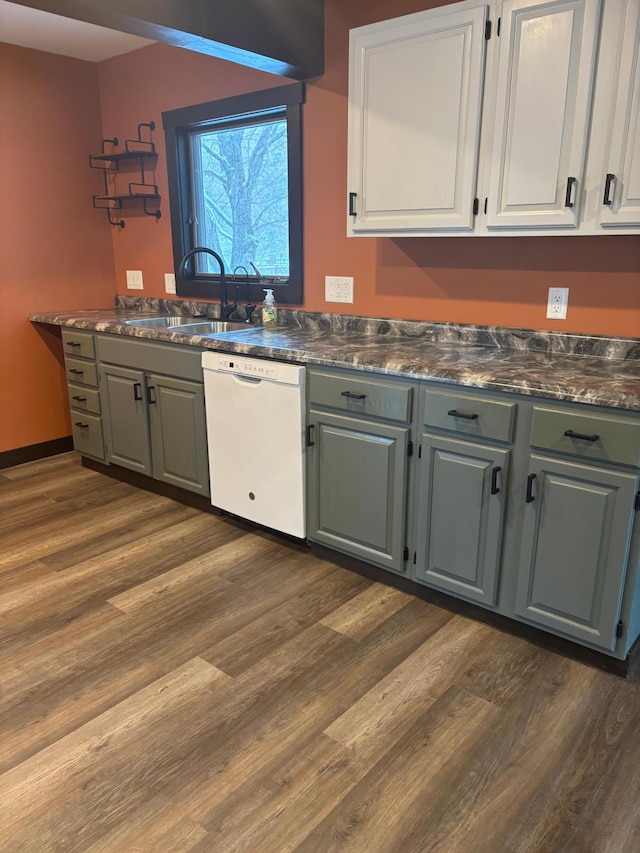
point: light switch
(134, 280)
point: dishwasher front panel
(255, 436)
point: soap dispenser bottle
(269, 310)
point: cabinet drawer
(78, 344)
(87, 434)
(607, 438)
(373, 398)
(81, 372)
(468, 414)
(84, 399)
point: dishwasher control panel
(249, 367)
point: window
(235, 186)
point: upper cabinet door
(619, 199)
(416, 86)
(544, 84)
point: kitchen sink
(163, 322)
(209, 327)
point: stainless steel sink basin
(209, 327)
(163, 322)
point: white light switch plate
(169, 282)
(134, 280)
(338, 288)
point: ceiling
(29, 27)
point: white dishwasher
(255, 435)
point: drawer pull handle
(81, 425)
(351, 396)
(529, 499)
(137, 391)
(571, 434)
(309, 442)
(79, 399)
(151, 394)
(456, 414)
(76, 372)
(494, 480)
(608, 200)
(73, 344)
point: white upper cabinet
(613, 196)
(545, 73)
(414, 123)
(509, 117)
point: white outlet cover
(169, 282)
(338, 288)
(557, 303)
(134, 280)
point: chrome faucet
(226, 310)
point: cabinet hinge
(420, 452)
(498, 26)
(487, 30)
(637, 503)
(410, 448)
(476, 206)
(405, 555)
(619, 628)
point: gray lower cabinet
(580, 512)
(154, 421)
(358, 466)
(461, 499)
(127, 420)
(462, 491)
(84, 396)
(178, 432)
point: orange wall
(490, 280)
(55, 250)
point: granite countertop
(595, 370)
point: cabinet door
(620, 178)
(358, 488)
(544, 82)
(415, 100)
(462, 491)
(126, 417)
(178, 432)
(575, 544)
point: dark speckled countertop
(595, 370)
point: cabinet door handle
(352, 204)
(571, 182)
(494, 480)
(151, 394)
(137, 391)
(79, 399)
(571, 434)
(607, 189)
(529, 499)
(81, 425)
(309, 442)
(468, 417)
(73, 344)
(351, 396)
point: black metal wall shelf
(109, 161)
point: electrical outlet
(557, 303)
(338, 288)
(134, 280)
(169, 282)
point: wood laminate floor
(172, 682)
